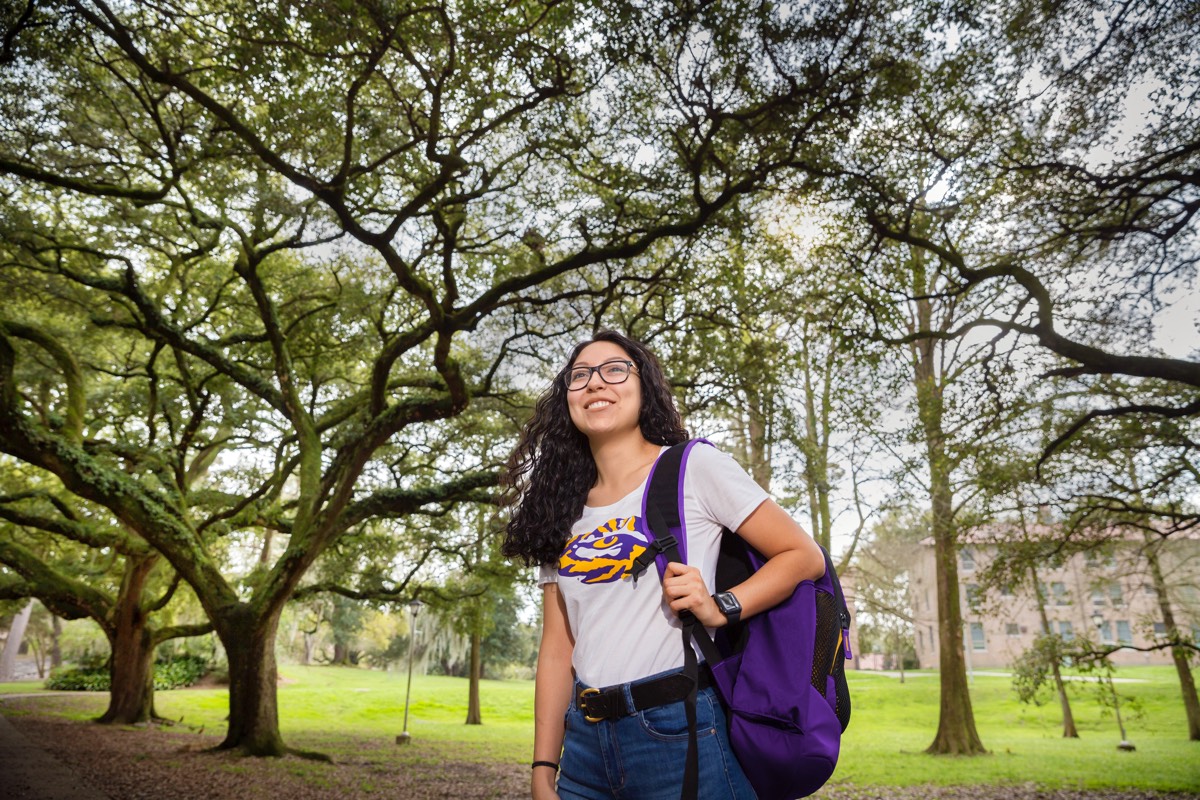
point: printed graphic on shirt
(604, 555)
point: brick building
(1112, 586)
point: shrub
(179, 672)
(79, 679)
(172, 673)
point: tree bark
(16, 633)
(816, 454)
(249, 641)
(131, 669)
(1187, 685)
(1069, 729)
(758, 444)
(956, 734)
(309, 640)
(474, 715)
(55, 642)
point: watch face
(727, 603)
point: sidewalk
(28, 772)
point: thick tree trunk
(956, 734)
(16, 634)
(1187, 685)
(253, 676)
(131, 698)
(474, 715)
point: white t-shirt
(625, 631)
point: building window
(972, 595)
(1059, 590)
(1098, 599)
(1160, 629)
(1149, 590)
(966, 557)
(1124, 633)
(1066, 631)
(978, 642)
(1106, 636)
(1116, 595)
(1012, 629)
(1006, 590)
(920, 639)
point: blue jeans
(641, 756)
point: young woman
(577, 479)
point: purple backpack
(780, 674)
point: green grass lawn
(21, 687)
(893, 723)
(340, 710)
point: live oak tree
(293, 231)
(120, 585)
(75, 557)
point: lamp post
(1125, 744)
(414, 606)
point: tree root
(311, 755)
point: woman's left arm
(792, 556)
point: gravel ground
(173, 764)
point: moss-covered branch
(54, 589)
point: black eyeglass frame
(566, 375)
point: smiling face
(602, 410)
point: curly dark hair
(547, 478)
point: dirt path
(166, 764)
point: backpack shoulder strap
(666, 530)
(662, 510)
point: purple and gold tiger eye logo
(604, 555)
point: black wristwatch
(729, 606)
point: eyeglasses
(611, 372)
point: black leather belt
(610, 703)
